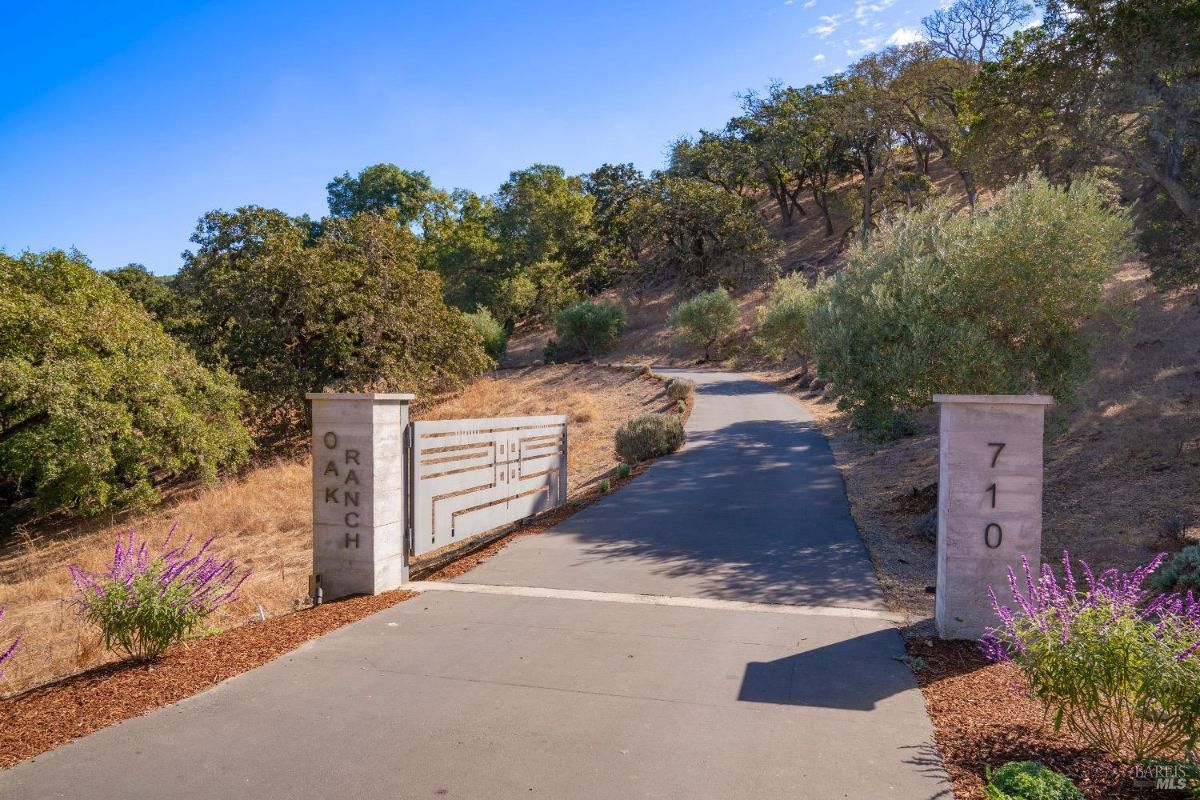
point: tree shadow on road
(753, 511)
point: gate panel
(473, 475)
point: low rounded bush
(1115, 664)
(144, 602)
(649, 436)
(783, 320)
(605, 486)
(624, 470)
(1181, 573)
(495, 340)
(591, 326)
(680, 389)
(1029, 780)
(705, 319)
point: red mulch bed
(45, 718)
(983, 716)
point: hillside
(1122, 462)
(263, 518)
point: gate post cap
(997, 399)
(358, 396)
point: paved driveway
(712, 630)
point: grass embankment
(263, 518)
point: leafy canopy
(593, 326)
(705, 319)
(98, 405)
(290, 312)
(380, 188)
(994, 302)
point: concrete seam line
(654, 600)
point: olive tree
(705, 319)
(988, 303)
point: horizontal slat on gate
(474, 475)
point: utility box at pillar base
(989, 503)
(359, 492)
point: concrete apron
(479, 695)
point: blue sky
(121, 123)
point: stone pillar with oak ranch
(989, 503)
(359, 492)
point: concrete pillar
(989, 503)
(359, 492)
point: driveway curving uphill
(712, 630)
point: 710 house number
(993, 534)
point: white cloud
(864, 46)
(903, 36)
(809, 3)
(864, 10)
(828, 25)
(819, 57)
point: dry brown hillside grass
(804, 247)
(1122, 474)
(263, 519)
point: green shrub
(680, 389)
(98, 405)
(993, 302)
(681, 406)
(649, 436)
(559, 352)
(783, 320)
(495, 340)
(1115, 665)
(605, 486)
(705, 319)
(624, 471)
(1182, 572)
(144, 603)
(591, 326)
(1029, 780)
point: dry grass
(263, 519)
(1122, 475)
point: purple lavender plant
(143, 603)
(1114, 662)
(7, 653)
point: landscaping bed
(42, 719)
(984, 717)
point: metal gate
(473, 475)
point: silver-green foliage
(648, 436)
(990, 303)
(680, 389)
(705, 319)
(783, 319)
(592, 326)
(495, 340)
(1182, 572)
